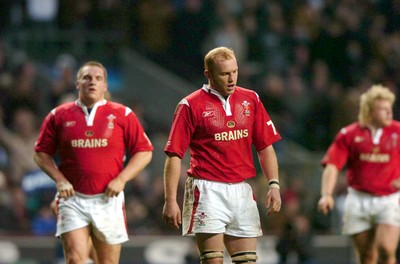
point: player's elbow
(36, 158)
(147, 156)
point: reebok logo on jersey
(69, 124)
(208, 113)
(358, 139)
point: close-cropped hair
(368, 98)
(220, 53)
(92, 63)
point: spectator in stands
(30, 187)
(25, 91)
(42, 16)
(64, 79)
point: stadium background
(309, 60)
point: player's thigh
(240, 244)
(211, 248)
(363, 243)
(106, 253)
(387, 237)
(75, 243)
(210, 242)
(92, 251)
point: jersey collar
(225, 102)
(90, 116)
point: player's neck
(373, 129)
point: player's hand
(115, 187)
(172, 214)
(325, 204)
(274, 201)
(396, 184)
(65, 189)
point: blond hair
(92, 63)
(368, 98)
(220, 53)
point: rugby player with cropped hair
(91, 136)
(220, 123)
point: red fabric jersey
(220, 133)
(372, 163)
(91, 147)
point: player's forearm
(269, 163)
(328, 181)
(47, 164)
(172, 171)
(136, 165)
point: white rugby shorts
(215, 207)
(362, 211)
(105, 215)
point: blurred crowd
(309, 60)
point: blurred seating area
(309, 60)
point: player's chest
(81, 127)
(218, 116)
(386, 142)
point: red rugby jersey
(91, 147)
(220, 133)
(372, 163)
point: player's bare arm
(135, 165)
(329, 178)
(47, 164)
(396, 184)
(171, 211)
(269, 166)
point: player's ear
(207, 74)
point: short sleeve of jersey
(181, 130)
(338, 152)
(135, 136)
(47, 140)
(265, 133)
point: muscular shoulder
(118, 108)
(353, 127)
(195, 97)
(395, 125)
(64, 108)
(349, 131)
(247, 93)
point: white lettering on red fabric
(375, 158)
(89, 143)
(231, 135)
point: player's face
(223, 77)
(382, 114)
(91, 85)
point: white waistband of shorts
(354, 191)
(351, 190)
(91, 196)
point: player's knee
(74, 258)
(211, 257)
(244, 257)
